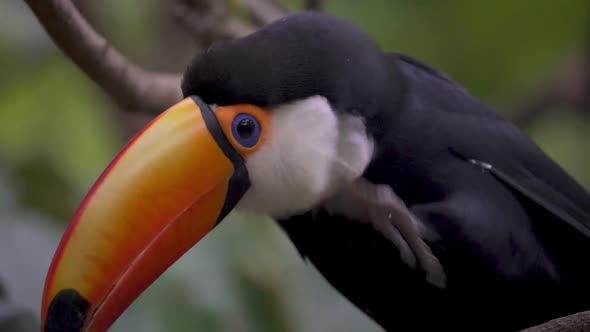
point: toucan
(420, 204)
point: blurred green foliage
(491, 47)
(58, 131)
(45, 123)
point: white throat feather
(309, 154)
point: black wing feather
(515, 159)
(573, 212)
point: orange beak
(164, 192)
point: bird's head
(272, 123)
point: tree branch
(317, 5)
(566, 88)
(265, 11)
(572, 323)
(132, 87)
(570, 87)
(208, 21)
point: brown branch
(317, 5)
(572, 323)
(132, 87)
(263, 12)
(208, 21)
(570, 87)
(566, 88)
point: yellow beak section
(163, 192)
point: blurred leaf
(490, 47)
(128, 25)
(54, 118)
(179, 312)
(44, 188)
(262, 299)
(564, 135)
(26, 246)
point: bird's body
(285, 122)
(511, 263)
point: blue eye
(246, 129)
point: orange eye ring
(232, 117)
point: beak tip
(67, 312)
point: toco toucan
(417, 202)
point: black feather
(510, 252)
(513, 237)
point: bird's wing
(490, 142)
(555, 198)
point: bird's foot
(391, 217)
(380, 206)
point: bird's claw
(390, 216)
(380, 206)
